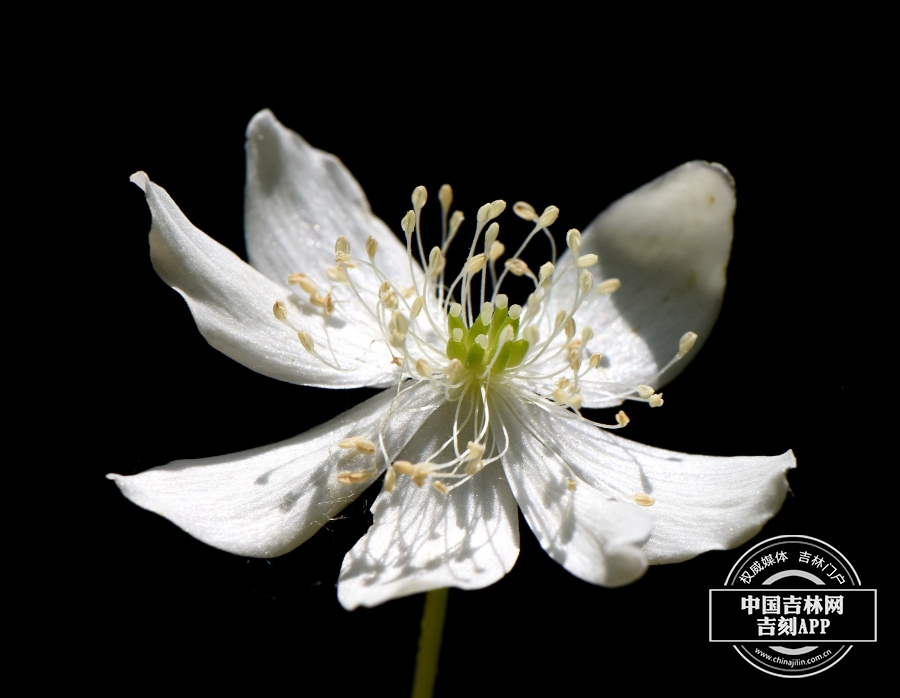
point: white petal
(299, 200)
(668, 242)
(702, 502)
(423, 540)
(266, 501)
(232, 305)
(594, 537)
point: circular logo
(792, 606)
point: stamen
(571, 484)
(685, 343)
(645, 391)
(404, 467)
(656, 400)
(455, 221)
(517, 267)
(454, 368)
(490, 235)
(408, 223)
(476, 451)
(573, 240)
(525, 210)
(497, 250)
(417, 306)
(341, 245)
(337, 274)
(371, 248)
(440, 487)
(423, 368)
(594, 361)
(445, 196)
(608, 286)
(587, 260)
(644, 500)
(435, 261)
(586, 281)
(351, 478)
(357, 443)
(622, 418)
(497, 207)
(548, 217)
(325, 302)
(546, 271)
(476, 264)
(569, 328)
(587, 334)
(419, 196)
(307, 341)
(390, 480)
(280, 310)
(304, 282)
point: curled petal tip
(141, 179)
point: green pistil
(473, 356)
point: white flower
(483, 399)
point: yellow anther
(587, 334)
(560, 317)
(435, 261)
(497, 207)
(524, 210)
(455, 221)
(562, 383)
(342, 258)
(608, 286)
(476, 450)
(390, 480)
(337, 274)
(280, 310)
(351, 478)
(408, 223)
(304, 282)
(476, 263)
(586, 260)
(398, 323)
(387, 296)
(445, 196)
(421, 471)
(516, 267)
(644, 500)
(586, 281)
(571, 484)
(496, 252)
(325, 302)
(307, 341)
(371, 247)
(357, 443)
(423, 368)
(573, 240)
(515, 311)
(404, 467)
(622, 418)
(594, 361)
(569, 328)
(501, 300)
(546, 271)
(574, 359)
(417, 306)
(548, 217)
(491, 235)
(483, 213)
(419, 196)
(645, 391)
(440, 487)
(685, 343)
(656, 400)
(342, 245)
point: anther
(348, 478)
(501, 300)
(404, 467)
(390, 480)
(325, 302)
(575, 359)
(371, 247)
(434, 261)
(524, 210)
(455, 221)
(307, 341)
(594, 361)
(608, 286)
(516, 267)
(476, 263)
(560, 318)
(546, 271)
(644, 500)
(474, 467)
(417, 306)
(685, 343)
(304, 282)
(445, 196)
(476, 450)
(548, 217)
(645, 391)
(423, 368)
(586, 281)
(496, 251)
(571, 484)
(586, 260)
(337, 274)
(515, 311)
(587, 334)
(341, 245)
(483, 214)
(656, 400)
(491, 235)
(569, 328)
(454, 368)
(419, 197)
(421, 472)
(622, 418)
(357, 443)
(408, 223)
(280, 310)
(573, 240)
(440, 487)
(497, 207)
(562, 383)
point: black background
(777, 372)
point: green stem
(430, 643)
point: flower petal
(702, 502)
(594, 537)
(232, 305)
(266, 501)
(299, 200)
(421, 539)
(668, 242)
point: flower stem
(430, 643)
